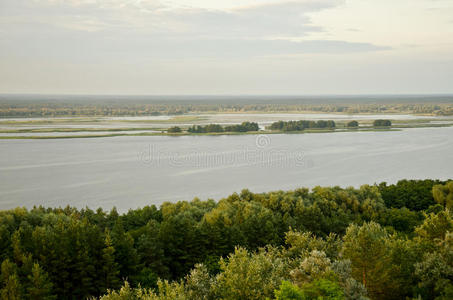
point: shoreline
(77, 127)
(264, 132)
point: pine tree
(10, 285)
(125, 253)
(110, 270)
(366, 248)
(40, 286)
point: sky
(226, 47)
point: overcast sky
(226, 46)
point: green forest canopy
(243, 127)
(378, 242)
(301, 125)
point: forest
(243, 127)
(382, 241)
(66, 106)
(382, 123)
(301, 125)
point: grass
(177, 119)
(76, 136)
(47, 130)
(49, 121)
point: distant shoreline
(105, 126)
(363, 129)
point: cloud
(280, 18)
(291, 7)
(234, 48)
(89, 30)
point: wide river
(130, 172)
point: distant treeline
(301, 125)
(243, 127)
(382, 123)
(20, 108)
(321, 124)
(379, 242)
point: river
(131, 172)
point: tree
(322, 289)
(435, 271)
(289, 291)
(40, 285)
(443, 194)
(200, 284)
(402, 219)
(302, 243)
(330, 124)
(125, 253)
(366, 247)
(313, 267)
(11, 288)
(152, 257)
(382, 123)
(213, 128)
(251, 276)
(110, 270)
(243, 127)
(174, 129)
(128, 293)
(403, 253)
(301, 125)
(352, 289)
(414, 194)
(352, 124)
(435, 226)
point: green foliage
(200, 284)
(125, 252)
(415, 195)
(443, 194)
(366, 248)
(435, 226)
(302, 243)
(206, 129)
(251, 276)
(402, 220)
(327, 242)
(382, 123)
(301, 125)
(322, 289)
(436, 270)
(40, 287)
(402, 255)
(110, 267)
(170, 291)
(174, 129)
(352, 124)
(352, 289)
(438, 105)
(11, 288)
(128, 293)
(313, 267)
(288, 291)
(243, 127)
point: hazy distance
(226, 47)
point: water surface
(130, 172)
